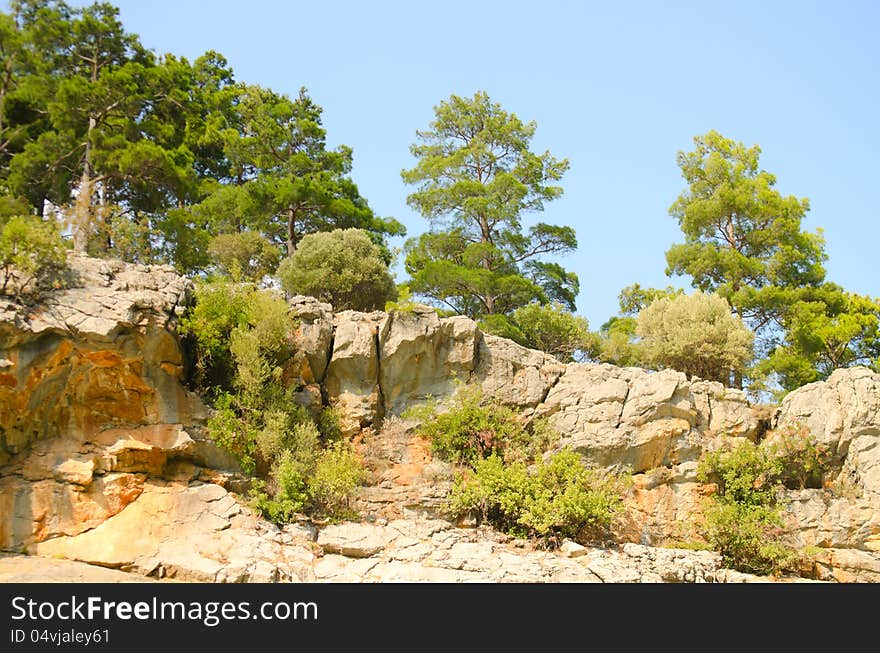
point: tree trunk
(82, 212)
(291, 230)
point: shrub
(472, 430)
(30, 250)
(343, 267)
(246, 255)
(696, 334)
(234, 326)
(289, 493)
(801, 460)
(560, 498)
(338, 471)
(748, 537)
(744, 520)
(549, 327)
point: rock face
(102, 353)
(104, 458)
(636, 420)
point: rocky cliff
(103, 458)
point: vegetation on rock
(744, 519)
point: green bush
(31, 249)
(696, 334)
(246, 255)
(748, 537)
(744, 520)
(289, 493)
(242, 336)
(337, 473)
(560, 498)
(549, 327)
(343, 267)
(472, 430)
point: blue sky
(616, 87)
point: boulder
(100, 353)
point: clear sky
(616, 87)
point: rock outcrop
(104, 458)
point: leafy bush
(289, 494)
(801, 460)
(30, 250)
(744, 521)
(244, 256)
(237, 321)
(549, 327)
(343, 267)
(242, 337)
(472, 430)
(560, 498)
(695, 334)
(748, 537)
(337, 473)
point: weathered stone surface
(355, 540)
(512, 374)
(33, 511)
(33, 569)
(404, 480)
(194, 532)
(312, 338)
(628, 418)
(844, 407)
(421, 356)
(99, 354)
(352, 381)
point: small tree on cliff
(476, 178)
(343, 267)
(695, 334)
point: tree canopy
(475, 179)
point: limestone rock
(193, 532)
(100, 353)
(628, 418)
(514, 375)
(844, 407)
(312, 338)
(355, 540)
(33, 569)
(421, 356)
(352, 380)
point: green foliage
(634, 298)
(151, 156)
(744, 520)
(30, 251)
(561, 498)
(747, 537)
(476, 177)
(290, 494)
(472, 430)
(343, 267)
(695, 334)
(743, 239)
(550, 327)
(241, 333)
(404, 304)
(242, 336)
(337, 473)
(828, 329)
(244, 256)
